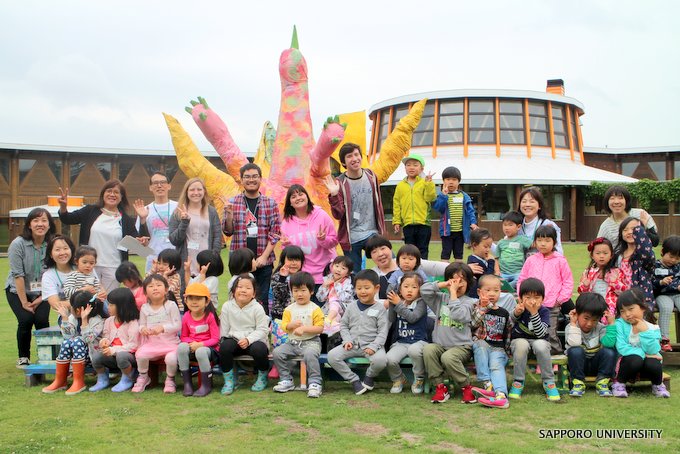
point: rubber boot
(59, 382)
(228, 387)
(126, 382)
(206, 385)
(188, 386)
(78, 384)
(261, 382)
(102, 382)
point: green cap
(416, 157)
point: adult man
(156, 215)
(253, 221)
(356, 203)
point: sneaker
(441, 394)
(516, 390)
(23, 362)
(142, 382)
(369, 383)
(498, 401)
(418, 386)
(619, 389)
(551, 391)
(398, 385)
(468, 396)
(284, 386)
(358, 387)
(577, 388)
(602, 387)
(660, 391)
(666, 344)
(169, 385)
(483, 392)
(314, 390)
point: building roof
(475, 93)
(100, 150)
(633, 150)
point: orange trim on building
(465, 127)
(552, 129)
(374, 134)
(571, 141)
(527, 130)
(498, 128)
(435, 132)
(578, 136)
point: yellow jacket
(411, 203)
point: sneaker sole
(506, 405)
(478, 392)
(52, 391)
(283, 390)
(446, 397)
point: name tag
(357, 215)
(193, 245)
(202, 329)
(372, 312)
(661, 272)
(514, 246)
(252, 230)
(35, 287)
(155, 319)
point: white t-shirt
(157, 223)
(105, 234)
(53, 283)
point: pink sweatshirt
(555, 274)
(204, 330)
(128, 333)
(303, 233)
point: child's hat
(197, 289)
(417, 157)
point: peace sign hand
(63, 200)
(429, 176)
(183, 214)
(321, 234)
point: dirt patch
(411, 438)
(447, 446)
(375, 430)
(363, 404)
(295, 427)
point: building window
(574, 134)
(659, 169)
(424, 133)
(4, 168)
(384, 129)
(628, 168)
(124, 169)
(151, 168)
(538, 124)
(676, 169)
(560, 126)
(25, 166)
(451, 122)
(496, 200)
(482, 121)
(105, 169)
(399, 113)
(56, 167)
(512, 122)
(75, 168)
(171, 170)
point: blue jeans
(602, 363)
(355, 252)
(511, 279)
(490, 365)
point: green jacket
(411, 203)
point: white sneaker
(284, 386)
(398, 385)
(314, 390)
(23, 362)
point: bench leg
(667, 383)
(303, 375)
(34, 380)
(562, 381)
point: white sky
(90, 73)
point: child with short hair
(408, 259)
(602, 275)
(667, 286)
(411, 204)
(583, 338)
(364, 332)
(512, 249)
(169, 264)
(84, 277)
(128, 275)
(199, 338)
(530, 333)
(336, 292)
(451, 346)
(290, 262)
(458, 215)
(241, 261)
(481, 261)
(303, 321)
(210, 267)
(492, 330)
(552, 269)
(637, 339)
(408, 312)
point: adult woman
(26, 255)
(531, 205)
(311, 228)
(194, 226)
(617, 202)
(102, 226)
(59, 263)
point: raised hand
(141, 209)
(284, 271)
(228, 207)
(63, 200)
(85, 312)
(283, 238)
(204, 269)
(393, 298)
(445, 190)
(321, 234)
(183, 213)
(573, 317)
(644, 218)
(519, 308)
(429, 176)
(332, 185)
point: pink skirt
(155, 346)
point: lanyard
(37, 261)
(164, 221)
(257, 206)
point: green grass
(338, 421)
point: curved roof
(475, 93)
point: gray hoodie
(367, 328)
(452, 327)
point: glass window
(537, 109)
(4, 168)
(496, 200)
(482, 136)
(512, 107)
(383, 129)
(482, 121)
(512, 122)
(574, 133)
(659, 169)
(56, 167)
(628, 168)
(422, 139)
(481, 107)
(25, 166)
(424, 133)
(451, 122)
(105, 169)
(676, 169)
(450, 137)
(538, 124)
(124, 169)
(387, 196)
(171, 170)
(75, 169)
(559, 126)
(539, 138)
(151, 168)
(399, 113)
(512, 137)
(450, 107)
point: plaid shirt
(268, 224)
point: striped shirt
(456, 211)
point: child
(602, 276)
(303, 321)
(552, 269)
(119, 342)
(168, 264)
(481, 260)
(364, 331)
(290, 262)
(530, 332)
(637, 340)
(241, 261)
(458, 215)
(636, 257)
(667, 286)
(409, 312)
(512, 249)
(244, 328)
(408, 259)
(451, 346)
(159, 324)
(84, 277)
(583, 338)
(81, 327)
(210, 268)
(128, 275)
(199, 338)
(492, 330)
(336, 292)
(411, 204)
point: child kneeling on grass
(583, 339)
(452, 338)
(364, 331)
(530, 332)
(303, 321)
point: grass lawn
(339, 421)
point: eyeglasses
(159, 183)
(250, 177)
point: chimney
(555, 86)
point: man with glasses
(253, 221)
(156, 216)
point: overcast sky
(90, 73)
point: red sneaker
(468, 397)
(441, 394)
(666, 345)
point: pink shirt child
(126, 333)
(555, 274)
(204, 330)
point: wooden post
(572, 215)
(14, 180)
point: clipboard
(135, 247)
